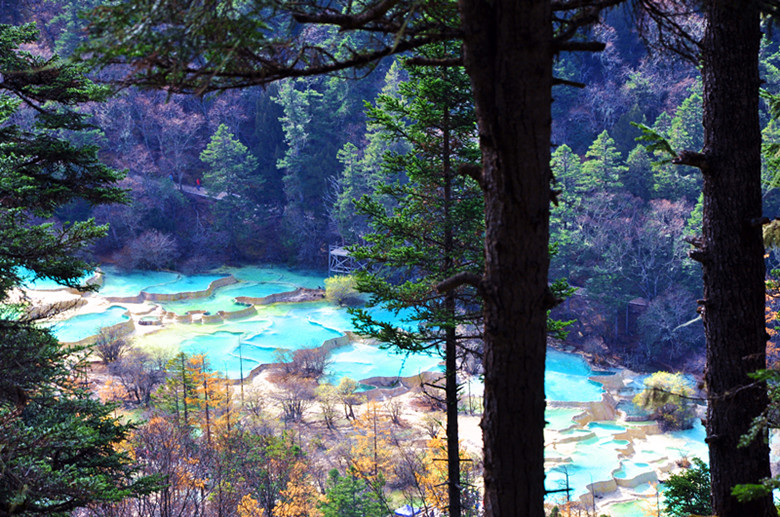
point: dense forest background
(302, 149)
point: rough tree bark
(508, 47)
(732, 252)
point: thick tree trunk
(508, 56)
(732, 258)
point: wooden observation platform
(341, 262)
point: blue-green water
(118, 283)
(559, 419)
(605, 427)
(566, 378)
(362, 361)
(238, 346)
(184, 284)
(631, 469)
(283, 279)
(222, 350)
(223, 298)
(294, 326)
(43, 284)
(83, 326)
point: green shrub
(668, 397)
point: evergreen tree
(684, 131)
(270, 144)
(604, 169)
(232, 175)
(310, 158)
(507, 49)
(231, 168)
(363, 168)
(639, 176)
(431, 233)
(350, 496)
(175, 396)
(57, 443)
(688, 493)
(731, 249)
(566, 168)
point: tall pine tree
(431, 231)
(57, 443)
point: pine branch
(692, 158)
(565, 82)
(474, 172)
(440, 62)
(459, 279)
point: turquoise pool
(559, 419)
(283, 279)
(184, 284)
(567, 378)
(43, 284)
(238, 346)
(361, 361)
(83, 326)
(220, 300)
(121, 284)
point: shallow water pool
(83, 326)
(560, 418)
(284, 279)
(43, 284)
(184, 284)
(631, 469)
(125, 284)
(567, 379)
(220, 300)
(225, 352)
(362, 361)
(636, 508)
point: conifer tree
(604, 169)
(232, 177)
(431, 232)
(57, 443)
(176, 394)
(231, 167)
(363, 167)
(507, 49)
(349, 496)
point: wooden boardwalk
(201, 192)
(341, 262)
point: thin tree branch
(579, 46)
(427, 61)
(474, 172)
(565, 82)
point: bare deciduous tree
(111, 345)
(295, 396)
(139, 373)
